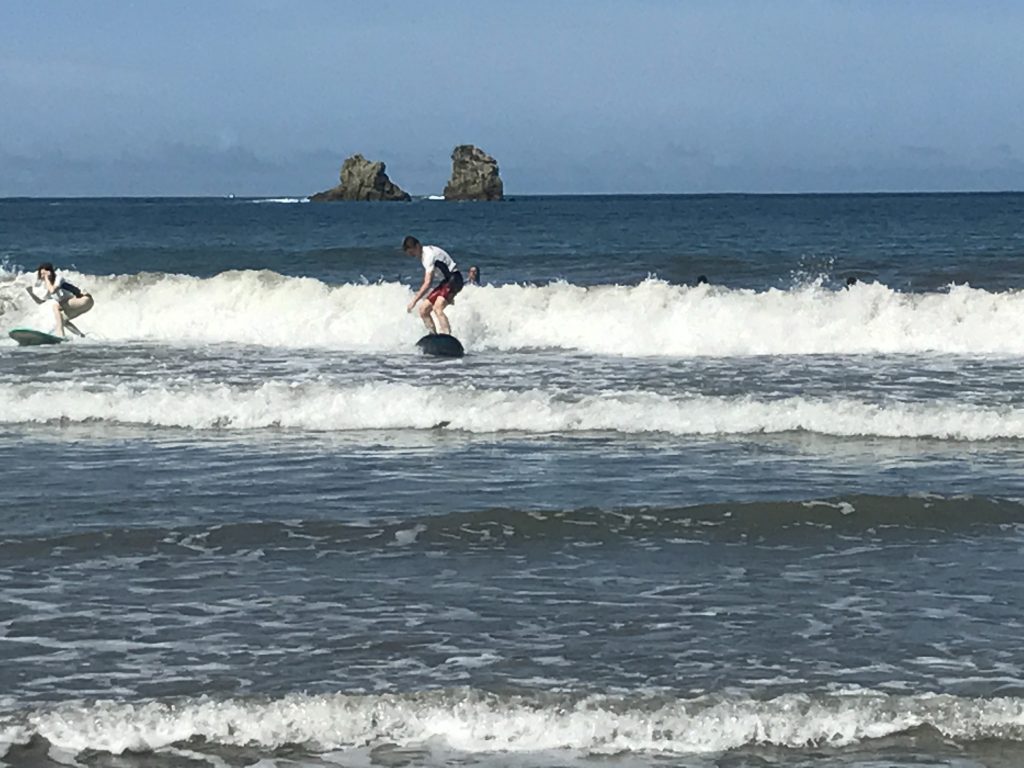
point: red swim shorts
(445, 290)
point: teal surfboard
(26, 337)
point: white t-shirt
(59, 295)
(431, 256)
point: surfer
(68, 300)
(473, 275)
(435, 261)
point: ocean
(770, 520)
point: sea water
(773, 519)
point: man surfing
(435, 261)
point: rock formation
(362, 180)
(474, 175)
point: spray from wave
(653, 318)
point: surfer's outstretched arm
(427, 279)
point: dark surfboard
(440, 345)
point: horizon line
(543, 195)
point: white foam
(285, 200)
(653, 318)
(323, 406)
(254, 307)
(473, 722)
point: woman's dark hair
(409, 242)
(48, 267)
(475, 267)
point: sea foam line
(477, 722)
(324, 406)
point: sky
(267, 97)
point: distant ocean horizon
(510, 196)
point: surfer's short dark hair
(409, 243)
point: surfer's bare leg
(77, 306)
(442, 318)
(428, 321)
(60, 318)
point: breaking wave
(471, 721)
(283, 200)
(326, 407)
(653, 318)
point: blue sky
(571, 96)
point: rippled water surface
(773, 520)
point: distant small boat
(435, 197)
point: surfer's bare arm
(427, 278)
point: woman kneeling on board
(435, 261)
(67, 300)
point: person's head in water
(46, 270)
(851, 280)
(473, 276)
(702, 280)
(413, 247)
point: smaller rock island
(474, 175)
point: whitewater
(651, 319)
(318, 406)
(473, 722)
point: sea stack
(474, 175)
(362, 179)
